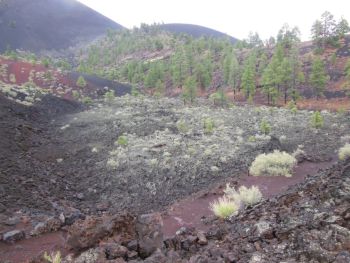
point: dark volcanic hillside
(196, 31)
(49, 24)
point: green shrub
(134, 91)
(292, 107)
(317, 120)
(224, 207)
(86, 100)
(344, 152)
(122, 140)
(273, 164)
(208, 125)
(109, 96)
(182, 126)
(81, 82)
(265, 127)
(75, 94)
(252, 139)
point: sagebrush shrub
(344, 152)
(273, 164)
(224, 207)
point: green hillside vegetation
(151, 58)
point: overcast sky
(235, 18)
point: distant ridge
(195, 30)
(49, 24)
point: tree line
(274, 65)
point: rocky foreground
(70, 172)
(308, 223)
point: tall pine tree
(318, 77)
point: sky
(236, 18)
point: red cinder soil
(27, 249)
(191, 211)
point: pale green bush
(53, 257)
(273, 164)
(224, 207)
(122, 140)
(247, 196)
(344, 152)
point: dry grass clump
(273, 164)
(230, 203)
(224, 207)
(244, 195)
(344, 152)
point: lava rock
(202, 240)
(13, 236)
(114, 251)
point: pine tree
(318, 77)
(190, 89)
(297, 74)
(269, 85)
(286, 77)
(179, 68)
(316, 33)
(235, 74)
(342, 27)
(346, 85)
(248, 77)
(287, 37)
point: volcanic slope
(49, 24)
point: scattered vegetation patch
(344, 152)
(273, 164)
(182, 126)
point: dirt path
(189, 212)
(26, 249)
(192, 211)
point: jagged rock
(149, 233)
(202, 240)
(2, 208)
(94, 255)
(264, 230)
(51, 224)
(343, 257)
(85, 233)
(13, 236)
(157, 257)
(114, 251)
